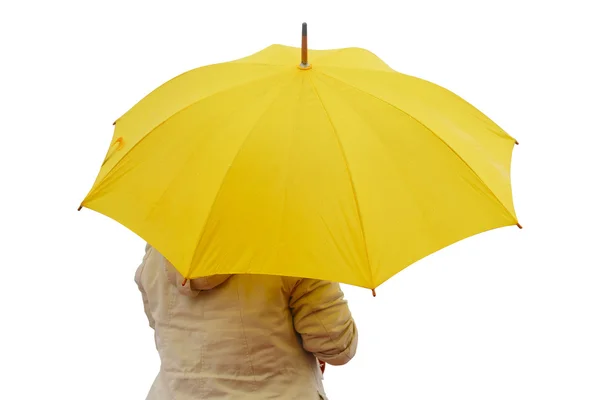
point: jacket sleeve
(323, 320)
(139, 282)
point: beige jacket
(243, 336)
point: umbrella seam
(344, 157)
(218, 64)
(118, 163)
(435, 135)
(367, 123)
(217, 194)
(193, 153)
(344, 49)
(503, 134)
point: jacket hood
(194, 286)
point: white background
(510, 314)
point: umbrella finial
(304, 60)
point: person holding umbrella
(243, 336)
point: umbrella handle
(322, 365)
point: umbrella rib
(119, 163)
(503, 133)
(345, 49)
(367, 122)
(193, 153)
(352, 185)
(485, 185)
(218, 193)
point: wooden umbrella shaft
(304, 45)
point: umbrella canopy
(322, 164)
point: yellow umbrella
(339, 169)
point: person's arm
(323, 320)
(138, 281)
